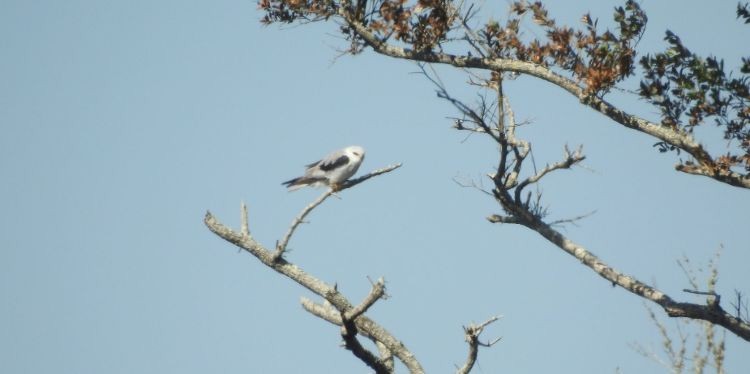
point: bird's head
(355, 152)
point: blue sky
(123, 122)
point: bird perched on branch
(332, 170)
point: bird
(332, 170)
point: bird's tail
(297, 183)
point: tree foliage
(687, 89)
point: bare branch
(325, 312)
(376, 293)
(281, 247)
(386, 356)
(712, 312)
(349, 329)
(715, 298)
(472, 333)
(317, 286)
(349, 334)
(475, 116)
(353, 182)
(347, 320)
(572, 220)
(707, 293)
(569, 160)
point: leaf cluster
(597, 59)
(689, 90)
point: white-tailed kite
(332, 170)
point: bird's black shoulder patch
(330, 165)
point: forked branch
(353, 316)
(520, 211)
(472, 333)
(349, 330)
(281, 247)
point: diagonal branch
(281, 246)
(531, 216)
(269, 258)
(519, 212)
(349, 329)
(376, 293)
(348, 319)
(386, 356)
(712, 312)
(317, 286)
(568, 161)
(333, 316)
(705, 164)
(349, 334)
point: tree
(688, 91)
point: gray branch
(712, 312)
(269, 258)
(705, 165)
(472, 333)
(281, 246)
(333, 316)
(349, 334)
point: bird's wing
(328, 164)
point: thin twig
(711, 302)
(572, 220)
(353, 182)
(281, 247)
(707, 293)
(244, 226)
(568, 161)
